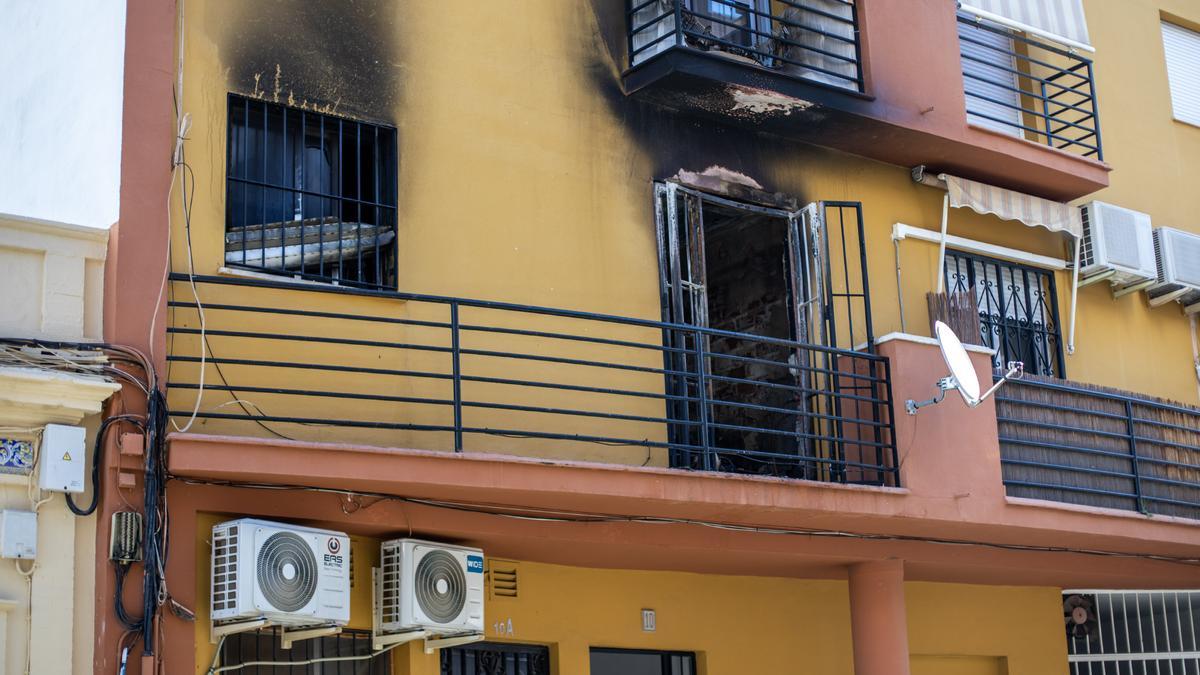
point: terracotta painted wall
(525, 175)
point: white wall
(60, 109)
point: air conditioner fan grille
(441, 586)
(287, 571)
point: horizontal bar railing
(452, 373)
(1099, 447)
(1030, 87)
(798, 38)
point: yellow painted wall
(734, 624)
(968, 630)
(526, 176)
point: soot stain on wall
(675, 137)
(342, 58)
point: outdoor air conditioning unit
(423, 586)
(288, 575)
(1177, 254)
(1116, 241)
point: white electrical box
(61, 459)
(18, 534)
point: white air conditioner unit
(1177, 254)
(423, 586)
(1116, 240)
(288, 575)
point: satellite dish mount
(962, 374)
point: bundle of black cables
(156, 537)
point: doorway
(759, 364)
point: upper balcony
(907, 83)
(461, 375)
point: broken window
(767, 382)
(310, 195)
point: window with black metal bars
(261, 652)
(492, 658)
(1018, 310)
(1132, 632)
(310, 195)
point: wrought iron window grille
(494, 658)
(1132, 631)
(1018, 310)
(264, 647)
(310, 195)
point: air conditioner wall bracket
(218, 631)
(380, 642)
(451, 641)
(287, 637)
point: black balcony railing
(812, 40)
(455, 374)
(1029, 88)
(1079, 444)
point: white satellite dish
(962, 375)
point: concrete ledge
(33, 397)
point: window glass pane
(990, 85)
(626, 663)
(636, 662)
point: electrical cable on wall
(102, 359)
(559, 516)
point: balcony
(1028, 89)
(1079, 444)
(438, 373)
(947, 92)
(814, 41)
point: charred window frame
(1018, 310)
(310, 195)
(769, 354)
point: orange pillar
(878, 620)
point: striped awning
(1059, 20)
(1012, 205)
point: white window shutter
(1182, 47)
(992, 104)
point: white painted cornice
(31, 397)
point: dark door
(494, 658)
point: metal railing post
(1095, 112)
(1133, 456)
(1046, 115)
(456, 366)
(702, 394)
(678, 23)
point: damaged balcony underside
(713, 86)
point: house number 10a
(503, 628)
